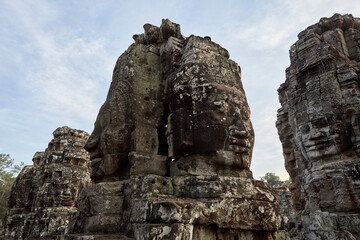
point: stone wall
(318, 125)
(44, 196)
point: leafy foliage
(8, 173)
(287, 183)
(270, 178)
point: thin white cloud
(278, 22)
(65, 79)
(66, 83)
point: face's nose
(92, 142)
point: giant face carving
(110, 142)
(209, 109)
(128, 119)
(318, 113)
(209, 114)
(318, 118)
(322, 136)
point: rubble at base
(287, 210)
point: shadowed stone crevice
(161, 131)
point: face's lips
(244, 150)
(238, 133)
(242, 142)
(316, 145)
(242, 147)
(95, 154)
(95, 161)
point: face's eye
(105, 119)
(337, 129)
(330, 119)
(304, 129)
(355, 120)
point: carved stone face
(109, 144)
(318, 122)
(322, 136)
(318, 112)
(209, 109)
(318, 118)
(240, 138)
(217, 125)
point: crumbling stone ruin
(171, 148)
(285, 203)
(318, 125)
(44, 196)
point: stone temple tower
(171, 148)
(44, 196)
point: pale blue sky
(57, 58)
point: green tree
(287, 183)
(8, 173)
(270, 178)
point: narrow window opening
(161, 131)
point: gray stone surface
(319, 128)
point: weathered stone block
(164, 232)
(103, 224)
(224, 163)
(348, 222)
(93, 237)
(221, 187)
(143, 163)
(149, 185)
